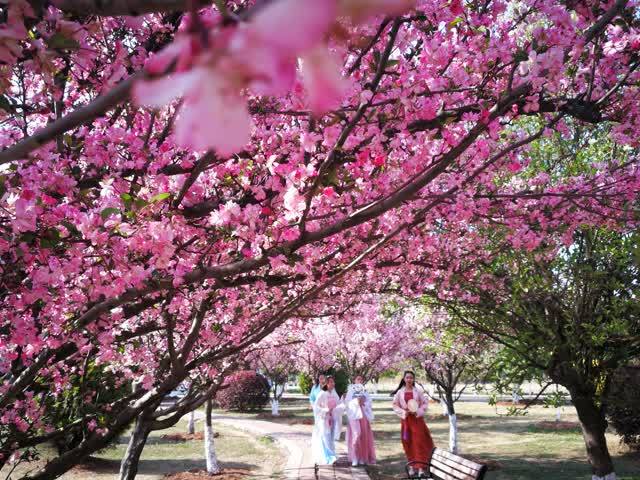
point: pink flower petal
(160, 92)
(294, 26)
(325, 85)
(160, 62)
(361, 9)
(274, 74)
(213, 116)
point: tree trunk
(594, 425)
(213, 467)
(131, 459)
(191, 426)
(453, 422)
(443, 404)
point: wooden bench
(449, 466)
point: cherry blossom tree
(452, 357)
(372, 338)
(317, 354)
(181, 178)
(276, 357)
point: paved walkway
(296, 440)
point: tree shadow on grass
(553, 468)
(161, 467)
(155, 466)
(512, 468)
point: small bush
(341, 378)
(244, 391)
(305, 382)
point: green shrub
(305, 382)
(623, 405)
(341, 378)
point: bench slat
(449, 466)
(438, 452)
(457, 465)
(457, 474)
(442, 475)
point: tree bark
(131, 459)
(191, 428)
(594, 424)
(213, 467)
(453, 421)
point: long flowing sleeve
(320, 408)
(368, 407)
(340, 406)
(337, 413)
(352, 406)
(401, 412)
(423, 403)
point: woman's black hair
(402, 382)
(318, 378)
(326, 384)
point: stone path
(296, 440)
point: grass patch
(237, 452)
(527, 447)
(266, 440)
(555, 427)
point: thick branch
(81, 116)
(124, 7)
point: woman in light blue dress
(328, 411)
(316, 389)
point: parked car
(179, 392)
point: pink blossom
(514, 167)
(26, 216)
(361, 9)
(294, 203)
(201, 124)
(290, 234)
(325, 86)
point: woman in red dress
(410, 405)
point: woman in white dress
(328, 412)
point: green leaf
(46, 243)
(59, 41)
(5, 104)
(391, 63)
(160, 197)
(455, 22)
(140, 203)
(28, 237)
(107, 212)
(70, 226)
(127, 200)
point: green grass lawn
(515, 446)
(235, 449)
